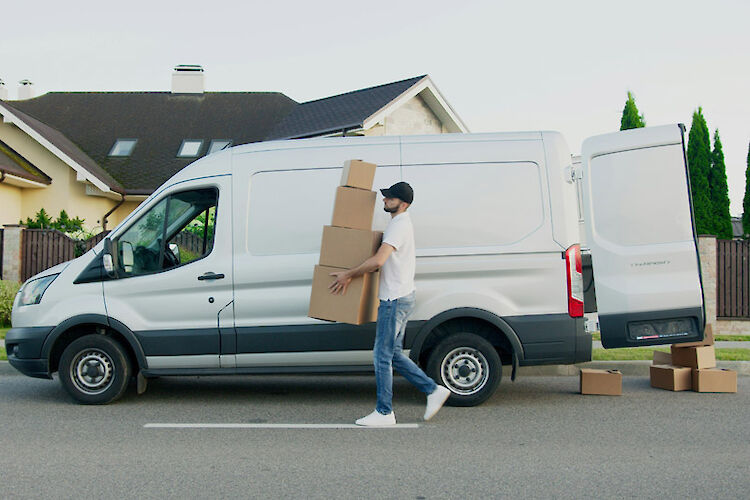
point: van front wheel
(94, 370)
(468, 365)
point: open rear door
(639, 227)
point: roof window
(123, 147)
(218, 145)
(190, 148)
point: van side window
(178, 230)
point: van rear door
(639, 227)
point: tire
(95, 370)
(468, 365)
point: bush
(8, 290)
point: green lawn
(648, 354)
(3, 356)
(2, 332)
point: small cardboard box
(662, 358)
(671, 378)
(714, 380)
(694, 357)
(354, 208)
(358, 174)
(347, 248)
(708, 339)
(604, 382)
(357, 306)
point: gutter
(104, 218)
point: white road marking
(272, 426)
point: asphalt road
(536, 438)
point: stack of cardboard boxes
(692, 366)
(346, 243)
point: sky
(502, 66)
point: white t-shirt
(397, 274)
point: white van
(212, 273)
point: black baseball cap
(401, 190)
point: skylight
(123, 147)
(190, 148)
(218, 145)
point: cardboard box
(347, 248)
(357, 306)
(358, 174)
(708, 339)
(671, 378)
(354, 208)
(662, 358)
(694, 357)
(604, 382)
(714, 380)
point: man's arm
(343, 278)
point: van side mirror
(109, 257)
(127, 256)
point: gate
(733, 279)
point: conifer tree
(721, 221)
(630, 117)
(699, 164)
(746, 201)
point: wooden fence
(1, 253)
(44, 248)
(733, 279)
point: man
(396, 259)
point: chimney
(187, 79)
(3, 91)
(25, 90)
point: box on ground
(357, 306)
(708, 339)
(347, 248)
(354, 208)
(714, 380)
(662, 358)
(358, 174)
(694, 357)
(603, 382)
(671, 378)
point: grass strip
(626, 354)
(3, 356)
(3, 331)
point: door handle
(210, 276)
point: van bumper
(24, 349)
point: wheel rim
(92, 371)
(465, 370)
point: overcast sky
(503, 66)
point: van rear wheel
(468, 365)
(94, 370)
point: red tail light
(575, 281)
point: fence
(733, 279)
(44, 248)
(1, 253)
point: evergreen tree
(746, 201)
(630, 117)
(721, 221)
(699, 164)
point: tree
(699, 164)
(630, 117)
(746, 201)
(721, 221)
(63, 223)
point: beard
(390, 210)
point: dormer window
(218, 145)
(123, 147)
(190, 148)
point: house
(97, 155)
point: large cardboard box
(662, 358)
(347, 248)
(357, 306)
(708, 339)
(354, 208)
(358, 174)
(603, 382)
(714, 380)
(694, 357)
(671, 378)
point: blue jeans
(388, 354)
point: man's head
(397, 198)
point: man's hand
(338, 287)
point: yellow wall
(10, 204)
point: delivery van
(212, 273)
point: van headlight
(32, 291)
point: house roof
(12, 163)
(339, 112)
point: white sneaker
(376, 419)
(435, 401)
